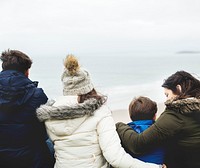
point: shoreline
(122, 115)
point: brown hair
(91, 94)
(142, 108)
(15, 60)
(190, 86)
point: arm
(37, 99)
(112, 149)
(167, 126)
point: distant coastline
(188, 52)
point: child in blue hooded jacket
(142, 111)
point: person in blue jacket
(142, 112)
(23, 137)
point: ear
(27, 73)
(154, 118)
(178, 87)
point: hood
(15, 88)
(141, 125)
(184, 106)
(78, 110)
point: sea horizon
(120, 78)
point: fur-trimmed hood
(50, 112)
(184, 106)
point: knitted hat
(76, 81)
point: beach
(122, 115)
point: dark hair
(142, 108)
(15, 60)
(190, 86)
(91, 94)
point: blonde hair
(71, 64)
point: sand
(122, 115)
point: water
(120, 77)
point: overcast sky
(99, 26)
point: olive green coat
(178, 128)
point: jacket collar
(141, 125)
(184, 106)
(50, 112)
(142, 122)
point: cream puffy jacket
(84, 135)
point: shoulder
(103, 111)
(170, 120)
(170, 114)
(38, 97)
(39, 92)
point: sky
(50, 27)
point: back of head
(15, 60)
(190, 86)
(76, 81)
(142, 108)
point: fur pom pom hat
(76, 81)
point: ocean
(120, 77)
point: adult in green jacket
(178, 127)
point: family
(77, 129)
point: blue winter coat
(154, 156)
(22, 136)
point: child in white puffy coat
(82, 128)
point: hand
(164, 166)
